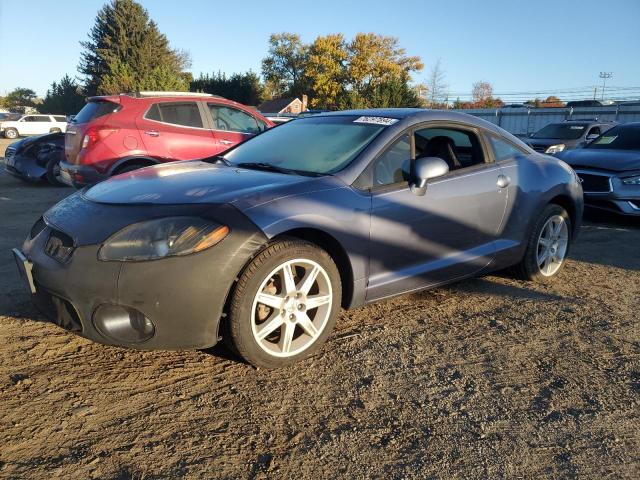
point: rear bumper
(79, 176)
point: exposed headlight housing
(163, 237)
(555, 148)
(635, 180)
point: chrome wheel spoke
(542, 257)
(316, 301)
(267, 328)
(288, 278)
(309, 279)
(558, 228)
(286, 337)
(269, 300)
(307, 325)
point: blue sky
(516, 45)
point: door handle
(152, 133)
(503, 181)
(226, 142)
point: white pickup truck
(34, 125)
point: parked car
(9, 116)
(36, 158)
(119, 133)
(587, 103)
(264, 244)
(557, 137)
(33, 125)
(609, 168)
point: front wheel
(11, 133)
(284, 305)
(53, 172)
(547, 246)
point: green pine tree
(64, 98)
(126, 52)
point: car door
(230, 125)
(29, 125)
(175, 130)
(419, 241)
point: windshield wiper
(271, 168)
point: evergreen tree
(63, 98)
(126, 52)
(240, 87)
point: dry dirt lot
(487, 378)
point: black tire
(11, 133)
(238, 334)
(528, 268)
(53, 172)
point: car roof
(416, 115)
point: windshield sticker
(376, 120)
(606, 140)
(576, 127)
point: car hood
(604, 159)
(199, 182)
(547, 142)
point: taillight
(95, 134)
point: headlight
(635, 180)
(163, 237)
(555, 148)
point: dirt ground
(487, 378)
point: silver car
(263, 245)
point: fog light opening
(123, 324)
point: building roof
(276, 105)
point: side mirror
(425, 169)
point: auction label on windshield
(376, 120)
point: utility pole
(604, 76)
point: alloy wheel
(292, 307)
(552, 245)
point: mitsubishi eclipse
(262, 245)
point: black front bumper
(184, 297)
(25, 167)
(606, 191)
(79, 176)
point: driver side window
(394, 165)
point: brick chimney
(304, 103)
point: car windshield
(561, 131)
(622, 137)
(312, 145)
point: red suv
(118, 133)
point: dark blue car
(263, 245)
(609, 168)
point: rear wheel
(547, 246)
(285, 304)
(11, 133)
